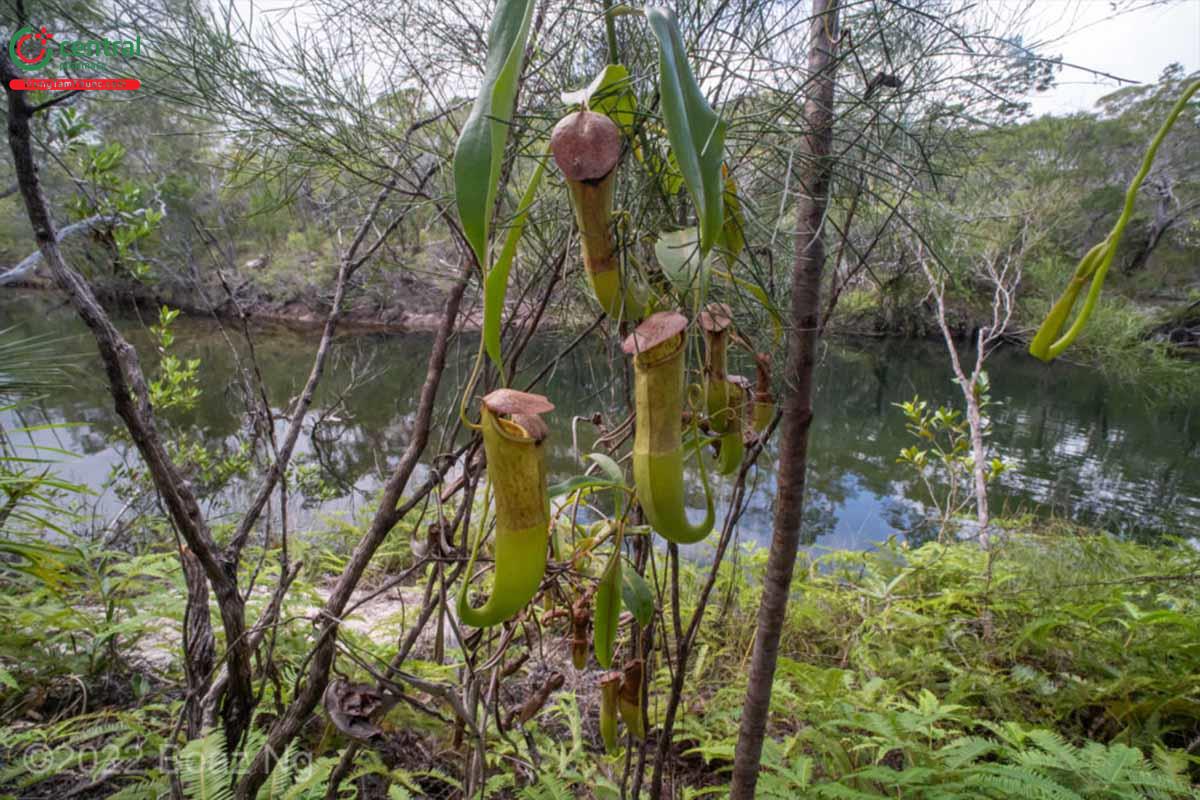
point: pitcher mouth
(522, 429)
(646, 361)
(524, 424)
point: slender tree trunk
(816, 172)
(131, 399)
(966, 385)
(979, 454)
(199, 645)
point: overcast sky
(1136, 45)
(1133, 44)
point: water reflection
(1078, 446)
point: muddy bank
(360, 317)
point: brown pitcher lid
(510, 401)
(654, 330)
(586, 145)
(716, 317)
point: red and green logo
(30, 48)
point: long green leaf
(637, 596)
(733, 231)
(696, 132)
(481, 145)
(606, 615)
(496, 285)
(579, 482)
(610, 468)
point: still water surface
(1077, 445)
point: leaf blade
(638, 598)
(496, 283)
(696, 132)
(480, 147)
(606, 614)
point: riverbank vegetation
(692, 192)
(1059, 665)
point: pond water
(1078, 446)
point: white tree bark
(28, 265)
(1004, 273)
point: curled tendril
(1049, 342)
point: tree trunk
(816, 171)
(979, 456)
(199, 645)
(967, 385)
(131, 399)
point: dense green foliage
(1066, 667)
(933, 673)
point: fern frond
(837, 791)
(146, 789)
(310, 782)
(204, 768)
(1053, 743)
(282, 775)
(1007, 780)
(549, 787)
(966, 750)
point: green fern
(282, 776)
(549, 787)
(145, 789)
(309, 783)
(204, 768)
(1007, 780)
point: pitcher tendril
(1047, 343)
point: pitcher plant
(724, 399)
(513, 442)
(586, 147)
(657, 347)
(764, 402)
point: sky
(1136, 44)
